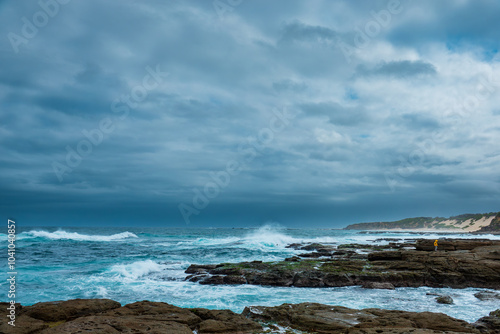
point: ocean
(133, 264)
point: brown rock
(320, 318)
(378, 285)
(338, 279)
(215, 279)
(309, 279)
(314, 255)
(422, 320)
(195, 278)
(156, 318)
(222, 279)
(385, 256)
(454, 244)
(317, 247)
(68, 310)
(24, 325)
(235, 280)
(112, 325)
(468, 263)
(273, 278)
(487, 295)
(200, 268)
(294, 246)
(224, 321)
(305, 316)
(444, 300)
(157, 311)
(489, 324)
(226, 271)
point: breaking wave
(137, 269)
(63, 235)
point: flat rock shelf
(108, 316)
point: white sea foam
(158, 274)
(63, 235)
(273, 236)
(269, 235)
(137, 269)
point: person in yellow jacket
(435, 245)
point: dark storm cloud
(420, 122)
(289, 85)
(337, 114)
(399, 69)
(352, 125)
(298, 31)
(331, 156)
(458, 22)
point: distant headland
(478, 223)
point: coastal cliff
(479, 222)
(493, 227)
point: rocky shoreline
(458, 263)
(108, 316)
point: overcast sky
(238, 113)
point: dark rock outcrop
(444, 300)
(487, 295)
(377, 285)
(459, 263)
(454, 244)
(489, 324)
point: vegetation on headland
(493, 227)
(458, 223)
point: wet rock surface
(67, 310)
(458, 263)
(490, 323)
(444, 300)
(487, 295)
(107, 316)
(377, 285)
(319, 318)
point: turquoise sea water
(132, 264)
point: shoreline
(458, 263)
(108, 316)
